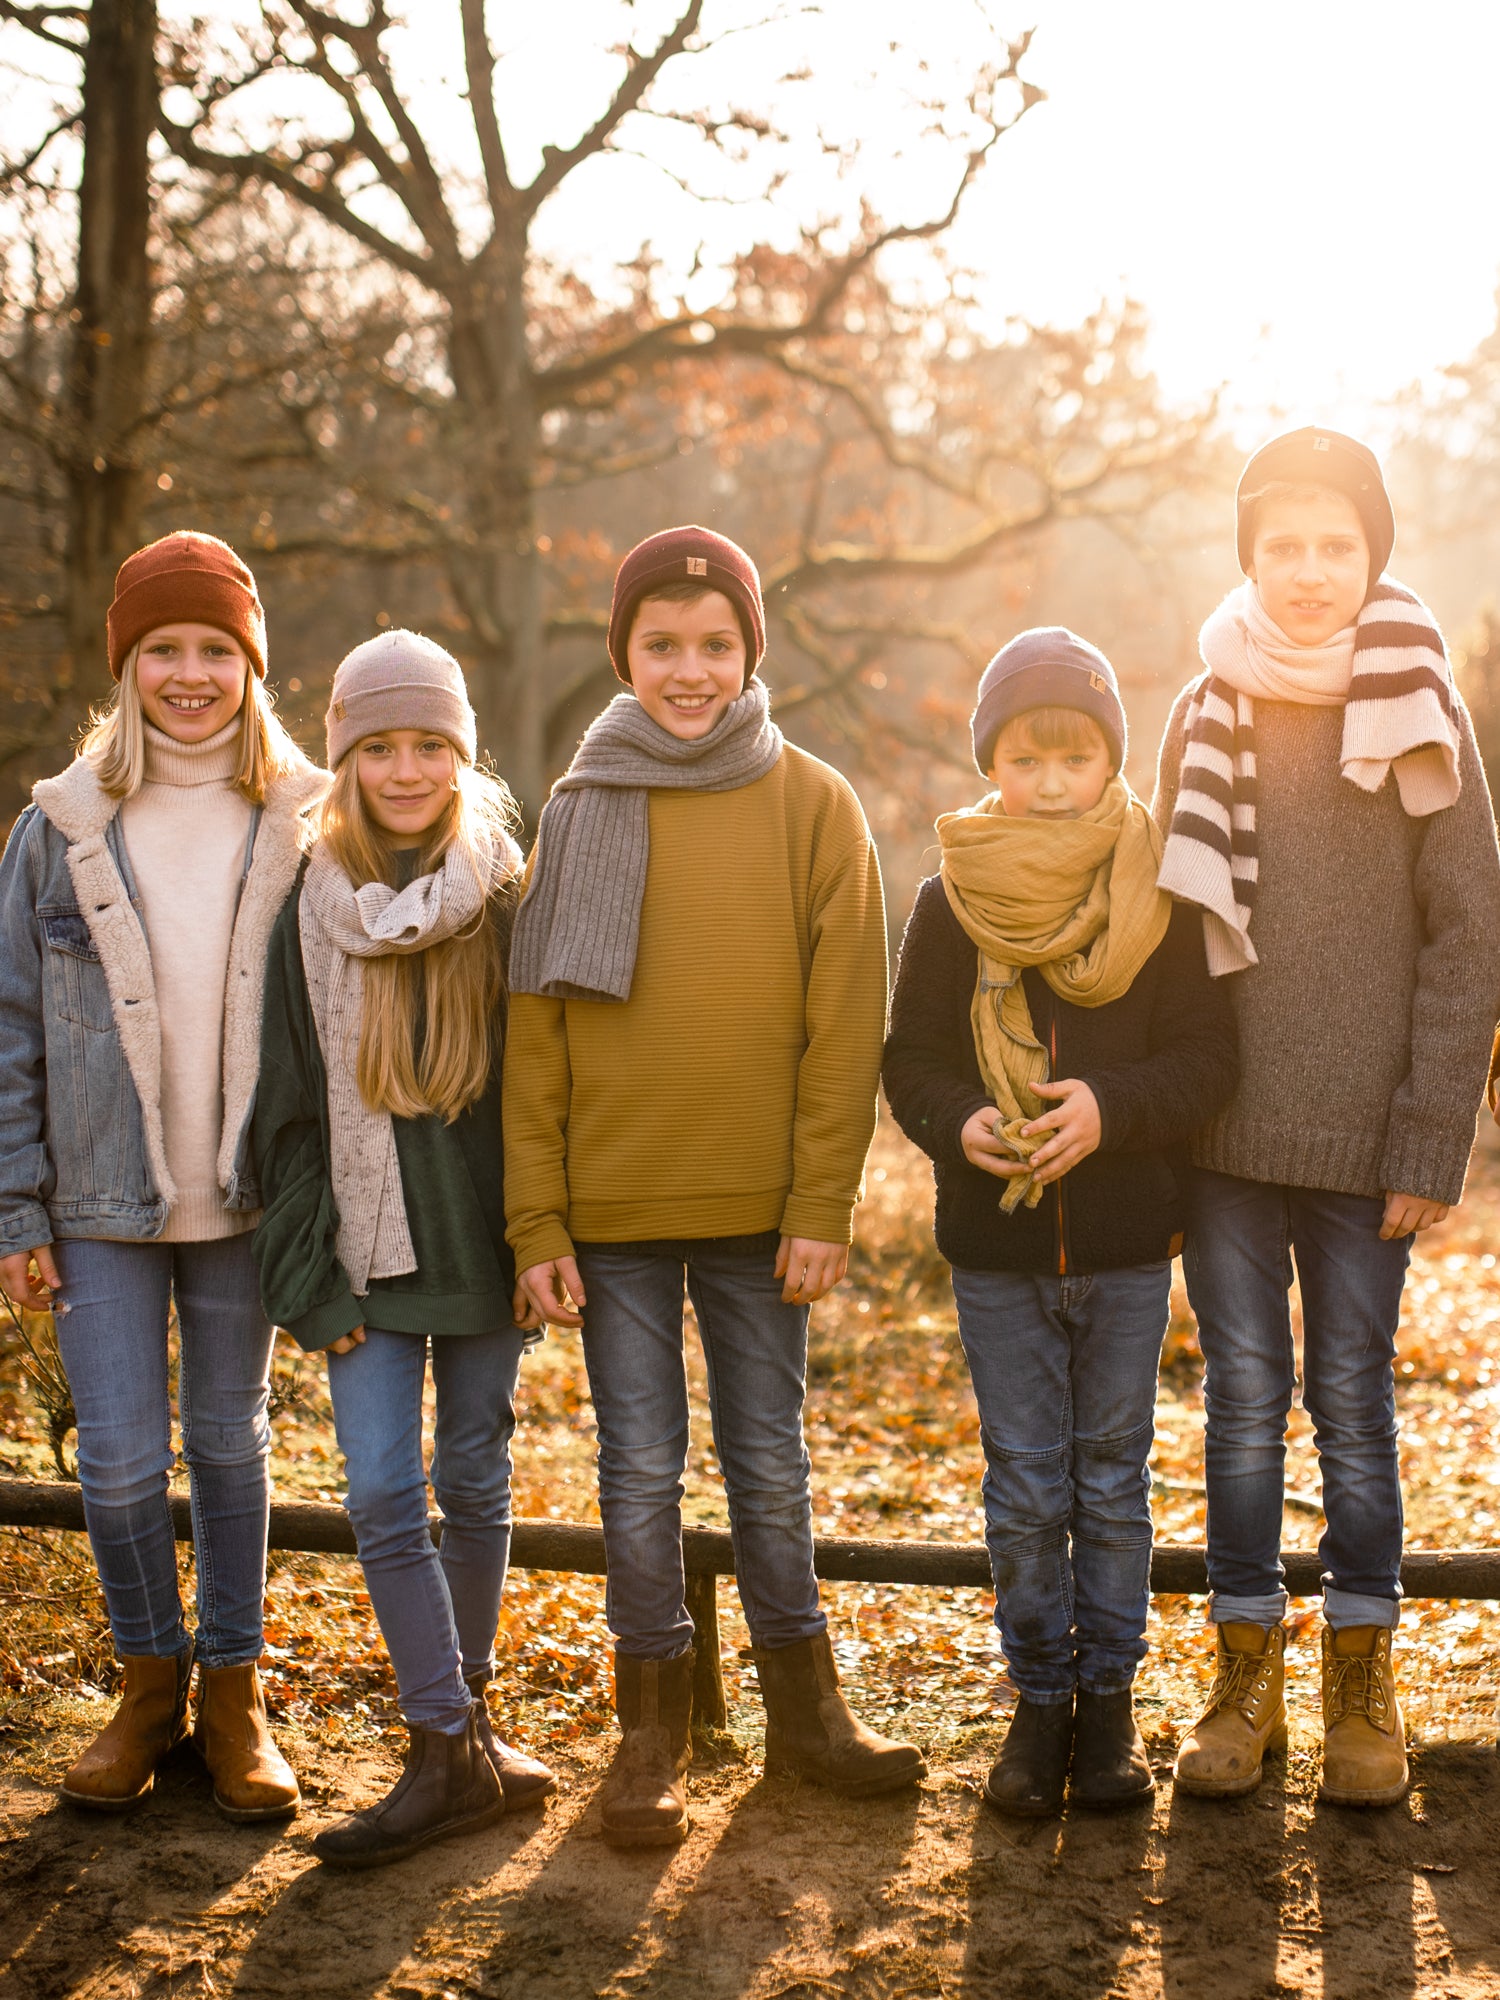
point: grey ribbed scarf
(578, 929)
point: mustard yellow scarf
(1075, 897)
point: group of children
(317, 1049)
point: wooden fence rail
(317, 1527)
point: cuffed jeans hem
(165, 1652)
(1051, 1699)
(215, 1661)
(442, 1724)
(1114, 1687)
(1347, 1607)
(650, 1649)
(1267, 1610)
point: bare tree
(502, 374)
(81, 406)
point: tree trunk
(107, 376)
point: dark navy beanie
(1047, 667)
(1314, 457)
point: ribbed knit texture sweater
(185, 833)
(1365, 1029)
(734, 1091)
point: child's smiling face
(1310, 564)
(687, 661)
(406, 779)
(1048, 779)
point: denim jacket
(81, 1152)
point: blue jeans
(113, 1339)
(1064, 1370)
(1242, 1238)
(437, 1608)
(755, 1348)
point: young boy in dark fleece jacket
(1055, 1036)
(1328, 810)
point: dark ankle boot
(811, 1731)
(118, 1768)
(525, 1781)
(448, 1787)
(645, 1789)
(1110, 1766)
(1030, 1776)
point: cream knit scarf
(1076, 898)
(1389, 671)
(341, 927)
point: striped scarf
(1400, 717)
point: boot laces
(1240, 1677)
(1357, 1687)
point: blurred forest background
(255, 284)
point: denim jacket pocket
(77, 989)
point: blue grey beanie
(1047, 667)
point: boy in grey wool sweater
(1325, 805)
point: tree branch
(641, 71)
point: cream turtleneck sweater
(185, 832)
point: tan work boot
(252, 1780)
(118, 1768)
(811, 1731)
(1364, 1738)
(1220, 1757)
(644, 1795)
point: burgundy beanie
(1314, 457)
(189, 578)
(687, 555)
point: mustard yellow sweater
(734, 1091)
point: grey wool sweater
(1365, 1028)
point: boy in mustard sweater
(699, 985)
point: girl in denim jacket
(137, 895)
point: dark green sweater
(452, 1178)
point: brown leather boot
(118, 1768)
(525, 1781)
(252, 1780)
(1221, 1755)
(811, 1731)
(446, 1789)
(1364, 1738)
(645, 1789)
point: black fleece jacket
(1161, 1060)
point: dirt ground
(779, 1891)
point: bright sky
(1301, 192)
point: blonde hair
(115, 741)
(452, 991)
(1055, 728)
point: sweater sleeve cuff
(327, 1323)
(817, 1220)
(1429, 1165)
(541, 1243)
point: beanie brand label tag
(1097, 682)
(697, 565)
(340, 711)
(1322, 444)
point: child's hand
(35, 1294)
(1074, 1126)
(985, 1149)
(1405, 1214)
(555, 1291)
(808, 1269)
(524, 1313)
(348, 1342)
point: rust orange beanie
(196, 579)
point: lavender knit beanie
(399, 681)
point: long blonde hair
(115, 741)
(455, 988)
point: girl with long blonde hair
(377, 1130)
(137, 896)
